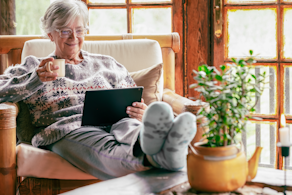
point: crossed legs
(164, 139)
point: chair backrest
(12, 49)
(134, 54)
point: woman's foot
(157, 121)
(173, 153)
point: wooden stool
(8, 149)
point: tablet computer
(107, 106)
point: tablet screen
(107, 106)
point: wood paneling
(197, 40)
(178, 25)
(7, 17)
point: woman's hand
(137, 110)
(43, 74)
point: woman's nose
(73, 35)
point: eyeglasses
(65, 33)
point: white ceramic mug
(58, 62)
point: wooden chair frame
(10, 54)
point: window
(263, 26)
(28, 22)
(130, 16)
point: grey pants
(105, 153)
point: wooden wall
(7, 17)
(192, 20)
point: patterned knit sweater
(56, 106)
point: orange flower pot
(219, 169)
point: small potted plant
(217, 164)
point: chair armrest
(178, 103)
(7, 147)
(16, 105)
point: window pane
(151, 20)
(107, 21)
(287, 90)
(261, 134)
(249, 1)
(252, 29)
(268, 100)
(287, 33)
(150, 1)
(28, 22)
(107, 1)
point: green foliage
(232, 93)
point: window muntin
(273, 49)
(140, 17)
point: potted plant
(217, 164)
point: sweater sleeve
(20, 81)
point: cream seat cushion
(142, 58)
(36, 162)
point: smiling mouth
(71, 44)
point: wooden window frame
(219, 56)
(178, 17)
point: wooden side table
(158, 181)
(268, 181)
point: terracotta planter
(219, 169)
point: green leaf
(217, 138)
(223, 67)
(218, 77)
(251, 52)
(240, 61)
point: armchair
(142, 55)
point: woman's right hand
(43, 74)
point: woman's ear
(51, 37)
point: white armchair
(150, 61)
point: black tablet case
(107, 106)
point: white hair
(61, 12)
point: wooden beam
(7, 17)
(198, 40)
(178, 25)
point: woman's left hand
(137, 110)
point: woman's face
(68, 47)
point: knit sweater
(56, 106)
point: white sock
(157, 121)
(174, 151)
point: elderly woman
(149, 137)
